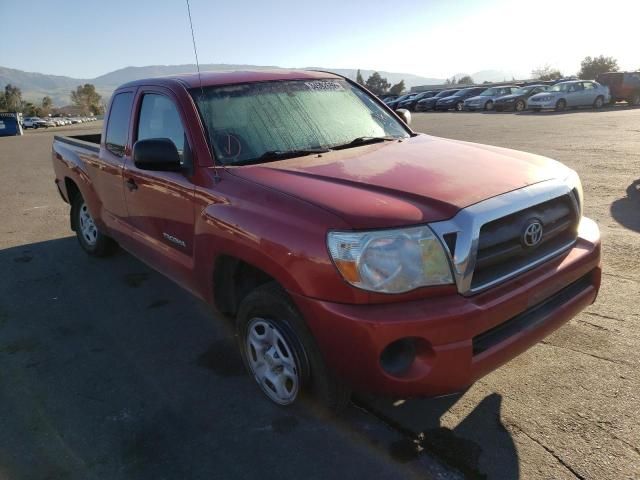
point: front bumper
(459, 339)
(504, 106)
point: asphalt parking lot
(110, 371)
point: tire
(489, 105)
(634, 100)
(280, 353)
(520, 106)
(459, 107)
(561, 105)
(92, 241)
(598, 102)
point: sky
(432, 38)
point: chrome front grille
(501, 249)
(484, 240)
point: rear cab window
(118, 123)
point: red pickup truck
(352, 252)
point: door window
(118, 124)
(159, 118)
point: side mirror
(159, 154)
(405, 115)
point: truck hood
(416, 180)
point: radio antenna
(204, 109)
(195, 49)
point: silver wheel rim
(519, 106)
(489, 105)
(599, 102)
(87, 226)
(272, 361)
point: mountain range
(34, 86)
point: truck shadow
(626, 210)
(137, 379)
(479, 446)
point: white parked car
(34, 122)
(574, 93)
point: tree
(377, 84)
(86, 97)
(47, 103)
(12, 98)
(450, 81)
(398, 88)
(359, 78)
(546, 73)
(465, 80)
(592, 67)
(30, 110)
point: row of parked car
(37, 122)
(536, 96)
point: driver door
(160, 204)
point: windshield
(249, 121)
(523, 90)
(489, 92)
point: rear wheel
(459, 107)
(599, 102)
(519, 106)
(91, 240)
(561, 105)
(280, 353)
(489, 105)
(635, 99)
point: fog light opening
(398, 356)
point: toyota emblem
(532, 233)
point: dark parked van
(624, 86)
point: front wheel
(459, 107)
(91, 240)
(598, 103)
(635, 99)
(280, 353)
(561, 105)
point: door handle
(131, 185)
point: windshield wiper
(274, 155)
(364, 141)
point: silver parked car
(575, 93)
(486, 99)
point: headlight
(573, 181)
(390, 261)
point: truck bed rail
(90, 142)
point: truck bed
(89, 141)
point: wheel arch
(233, 279)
